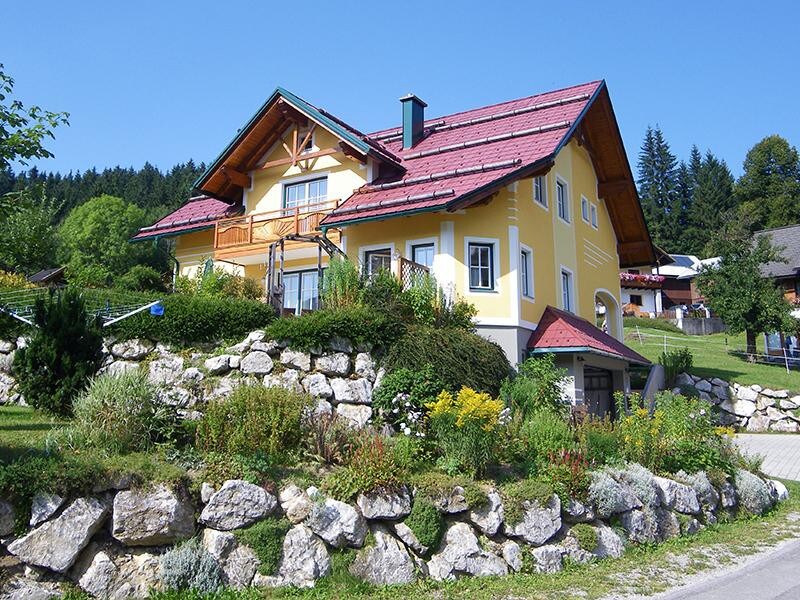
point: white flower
(395, 410)
(703, 411)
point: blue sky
(168, 81)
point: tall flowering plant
(465, 427)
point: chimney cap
(414, 98)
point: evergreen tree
(658, 189)
(712, 201)
(769, 189)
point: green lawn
(711, 356)
(23, 430)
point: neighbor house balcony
(641, 281)
(253, 233)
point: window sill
(481, 291)
(531, 299)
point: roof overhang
(586, 350)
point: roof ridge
(777, 228)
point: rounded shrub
(189, 566)
(459, 358)
(586, 535)
(265, 538)
(426, 522)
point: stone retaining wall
(340, 377)
(110, 544)
(749, 407)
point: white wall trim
(618, 310)
(445, 262)
(504, 322)
(513, 271)
(364, 249)
(495, 264)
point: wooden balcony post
(297, 219)
(250, 229)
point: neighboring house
(48, 277)
(786, 274)
(678, 287)
(641, 293)
(515, 207)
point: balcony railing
(641, 280)
(259, 228)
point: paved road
(773, 576)
(781, 453)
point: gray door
(598, 392)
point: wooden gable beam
(236, 177)
(352, 153)
(290, 161)
(614, 187)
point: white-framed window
(303, 193)
(301, 290)
(567, 291)
(481, 266)
(540, 191)
(378, 259)
(562, 199)
(422, 254)
(585, 209)
(593, 211)
(526, 272)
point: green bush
(429, 305)
(257, 468)
(660, 324)
(537, 386)
(517, 493)
(435, 485)
(341, 286)
(403, 394)
(567, 471)
(119, 414)
(675, 362)
(141, 278)
(265, 538)
(191, 319)
(189, 566)
(426, 522)
(586, 536)
(330, 439)
(370, 466)
(544, 434)
(255, 419)
(218, 283)
(63, 352)
(599, 441)
(364, 326)
(459, 358)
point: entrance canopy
(560, 331)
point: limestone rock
(775, 415)
(288, 380)
(451, 502)
(460, 553)
(44, 506)
(269, 346)
(548, 559)
(778, 490)
(356, 415)
(384, 504)
(577, 512)
(206, 491)
(218, 365)
(609, 544)
(677, 496)
(512, 554)
(295, 503)
(723, 393)
(791, 403)
(408, 537)
(151, 517)
(166, 370)
(365, 366)
(256, 363)
(785, 426)
(727, 496)
(317, 386)
(324, 408)
(192, 375)
(539, 523)
(386, 562)
(132, 349)
(650, 526)
(336, 364)
(758, 424)
(745, 393)
(295, 359)
(489, 517)
(22, 588)
(778, 394)
(611, 497)
(237, 504)
(340, 344)
(351, 391)
(305, 558)
(116, 573)
(120, 367)
(238, 563)
(6, 347)
(338, 523)
(7, 516)
(764, 402)
(684, 379)
(739, 407)
(56, 544)
(703, 386)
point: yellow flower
(467, 407)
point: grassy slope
(23, 430)
(712, 359)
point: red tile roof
(561, 330)
(463, 152)
(199, 212)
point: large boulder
(409, 538)
(385, 562)
(609, 544)
(785, 426)
(351, 391)
(356, 415)
(256, 363)
(237, 504)
(116, 573)
(758, 424)
(56, 544)
(218, 365)
(365, 366)
(305, 558)
(539, 522)
(336, 364)
(289, 379)
(753, 492)
(317, 386)
(44, 506)
(238, 563)
(610, 497)
(151, 517)
(132, 349)
(489, 517)
(338, 523)
(548, 559)
(295, 503)
(677, 496)
(746, 393)
(738, 406)
(385, 504)
(650, 525)
(461, 554)
(294, 359)
(166, 370)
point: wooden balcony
(258, 230)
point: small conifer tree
(63, 352)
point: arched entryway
(608, 312)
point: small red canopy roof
(559, 330)
(199, 212)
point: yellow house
(515, 207)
